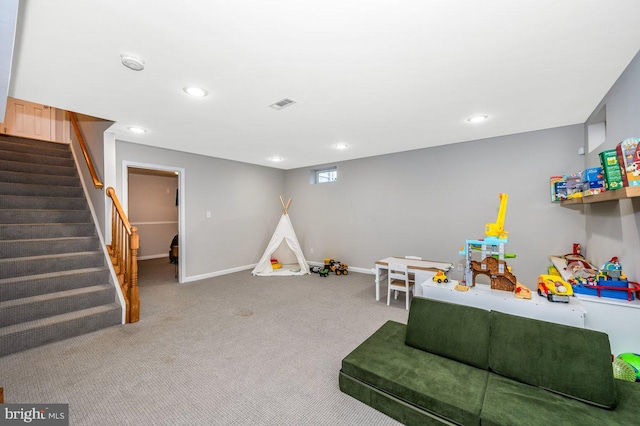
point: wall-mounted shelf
(618, 194)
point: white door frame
(182, 253)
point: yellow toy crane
(497, 229)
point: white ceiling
(382, 76)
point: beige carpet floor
(231, 350)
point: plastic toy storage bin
(605, 292)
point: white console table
(482, 296)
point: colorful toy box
(574, 185)
(611, 169)
(558, 188)
(592, 181)
(628, 154)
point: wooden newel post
(134, 298)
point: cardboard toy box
(574, 185)
(558, 188)
(611, 169)
(629, 158)
(592, 181)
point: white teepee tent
(285, 247)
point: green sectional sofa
(454, 364)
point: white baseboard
(153, 256)
(246, 267)
(218, 273)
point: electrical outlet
(459, 267)
(311, 251)
(208, 214)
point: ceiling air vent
(283, 103)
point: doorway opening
(153, 197)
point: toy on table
(440, 277)
(492, 248)
(554, 288)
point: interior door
(28, 120)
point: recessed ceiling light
(341, 146)
(477, 118)
(195, 91)
(137, 130)
(132, 62)
(276, 159)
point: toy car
(554, 288)
(440, 277)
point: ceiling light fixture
(132, 62)
(198, 92)
(341, 146)
(477, 118)
(276, 159)
(138, 130)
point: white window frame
(316, 175)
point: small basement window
(329, 174)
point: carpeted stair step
(37, 178)
(26, 167)
(40, 190)
(34, 285)
(46, 305)
(24, 216)
(46, 230)
(54, 203)
(28, 335)
(43, 160)
(54, 278)
(33, 265)
(39, 247)
(32, 146)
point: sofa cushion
(449, 389)
(508, 402)
(572, 361)
(453, 331)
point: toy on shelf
(440, 277)
(554, 288)
(611, 270)
(607, 281)
(522, 291)
(492, 250)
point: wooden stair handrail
(111, 193)
(123, 252)
(85, 151)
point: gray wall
(153, 210)
(613, 228)
(243, 200)
(428, 202)
(93, 131)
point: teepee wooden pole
(285, 207)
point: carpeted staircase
(54, 282)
